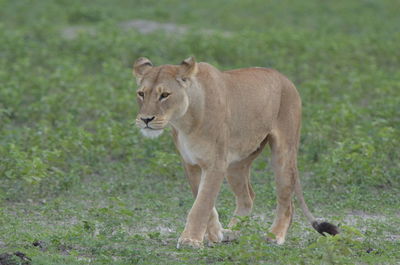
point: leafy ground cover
(79, 185)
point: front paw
(222, 235)
(214, 233)
(188, 242)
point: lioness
(221, 121)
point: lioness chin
(221, 121)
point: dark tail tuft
(325, 227)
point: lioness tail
(323, 227)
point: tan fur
(221, 121)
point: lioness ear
(140, 67)
(189, 68)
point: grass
(79, 185)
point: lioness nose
(147, 120)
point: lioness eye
(141, 94)
(164, 95)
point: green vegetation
(79, 185)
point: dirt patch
(359, 220)
(163, 230)
(353, 217)
(148, 26)
(141, 25)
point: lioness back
(252, 99)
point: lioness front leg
(202, 209)
(214, 232)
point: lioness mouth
(150, 132)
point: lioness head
(162, 93)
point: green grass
(79, 180)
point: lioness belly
(241, 148)
(194, 152)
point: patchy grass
(79, 185)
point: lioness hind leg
(285, 167)
(239, 181)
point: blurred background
(69, 151)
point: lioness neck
(193, 117)
(201, 101)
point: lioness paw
(279, 240)
(229, 235)
(214, 232)
(223, 235)
(187, 242)
(213, 237)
